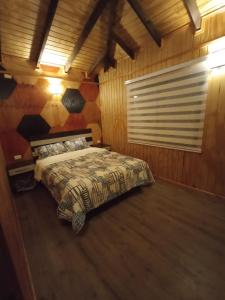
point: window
(167, 108)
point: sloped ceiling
(23, 24)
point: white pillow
(76, 144)
(50, 150)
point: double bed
(81, 180)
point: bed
(84, 179)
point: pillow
(84, 142)
(77, 144)
(50, 150)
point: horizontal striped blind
(167, 108)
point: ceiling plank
(85, 32)
(194, 13)
(48, 23)
(123, 45)
(145, 21)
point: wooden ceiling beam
(145, 21)
(48, 23)
(125, 35)
(115, 6)
(99, 62)
(103, 61)
(123, 45)
(85, 32)
(109, 62)
(194, 13)
(2, 69)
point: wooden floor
(160, 242)
(9, 287)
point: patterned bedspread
(83, 183)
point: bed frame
(52, 138)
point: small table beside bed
(81, 178)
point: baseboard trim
(190, 187)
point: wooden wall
(204, 171)
(13, 235)
(30, 98)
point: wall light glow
(218, 71)
(55, 86)
(217, 45)
(216, 56)
(50, 59)
(216, 59)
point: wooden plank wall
(204, 171)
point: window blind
(167, 108)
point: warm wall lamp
(216, 56)
(55, 86)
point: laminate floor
(155, 243)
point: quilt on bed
(83, 183)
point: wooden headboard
(52, 138)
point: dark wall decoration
(73, 101)
(27, 109)
(32, 125)
(7, 86)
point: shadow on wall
(27, 110)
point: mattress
(83, 180)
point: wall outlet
(8, 76)
(16, 157)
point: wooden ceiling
(50, 32)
